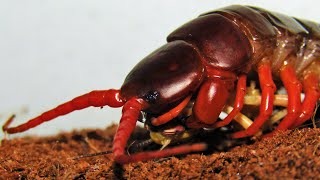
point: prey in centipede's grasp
(205, 66)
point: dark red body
(207, 61)
(216, 54)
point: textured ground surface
(290, 155)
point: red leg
(95, 98)
(312, 95)
(130, 114)
(171, 114)
(238, 103)
(268, 88)
(144, 156)
(293, 87)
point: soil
(287, 155)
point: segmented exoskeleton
(291, 47)
(188, 82)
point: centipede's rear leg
(294, 88)
(312, 95)
(238, 103)
(268, 88)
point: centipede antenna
(8, 122)
(315, 121)
(136, 145)
(91, 155)
(167, 142)
(314, 115)
(96, 98)
(130, 147)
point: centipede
(221, 61)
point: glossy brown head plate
(167, 75)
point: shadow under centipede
(118, 171)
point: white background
(52, 51)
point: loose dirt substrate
(290, 155)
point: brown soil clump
(287, 155)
